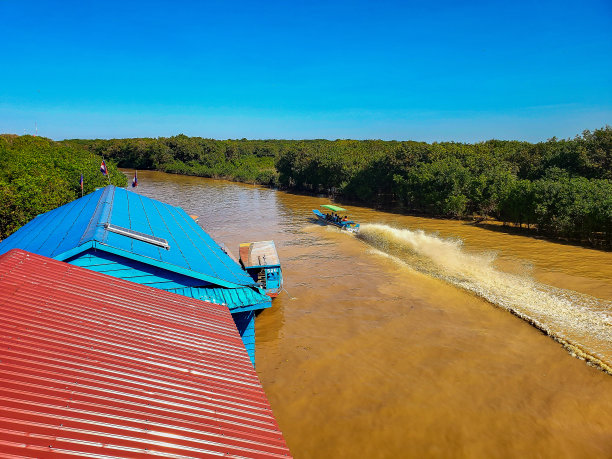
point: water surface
(421, 337)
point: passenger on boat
(345, 218)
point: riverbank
(558, 189)
(561, 187)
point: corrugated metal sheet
(238, 300)
(79, 225)
(94, 366)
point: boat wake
(581, 323)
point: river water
(420, 337)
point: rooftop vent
(144, 237)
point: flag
(103, 168)
(135, 180)
(81, 182)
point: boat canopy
(333, 208)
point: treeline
(562, 188)
(249, 161)
(38, 175)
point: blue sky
(433, 71)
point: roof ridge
(102, 210)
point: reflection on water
(374, 357)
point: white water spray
(583, 324)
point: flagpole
(106, 167)
(135, 180)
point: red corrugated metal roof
(94, 366)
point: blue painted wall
(245, 322)
(134, 271)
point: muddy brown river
(421, 337)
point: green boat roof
(333, 208)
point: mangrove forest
(560, 188)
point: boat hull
(344, 226)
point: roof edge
(251, 307)
(72, 252)
(146, 260)
(163, 265)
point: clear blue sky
(432, 71)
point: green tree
(37, 175)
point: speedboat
(335, 219)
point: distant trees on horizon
(563, 188)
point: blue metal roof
(80, 225)
(237, 299)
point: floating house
(95, 366)
(133, 237)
